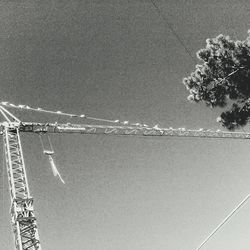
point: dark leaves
(223, 75)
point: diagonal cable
(223, 222)
(172, 30)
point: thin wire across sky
(172, 30)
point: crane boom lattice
(128, 130)
(22, 213)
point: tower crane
(23, 219)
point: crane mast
(23, 219)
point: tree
(223, 79)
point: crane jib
(123, 130)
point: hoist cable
(40, 137)
(50, 144)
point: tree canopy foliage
(223, 79)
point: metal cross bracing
(128, 130)
(22, 212)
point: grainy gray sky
(119, 60)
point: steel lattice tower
(22, 213)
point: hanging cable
(50, 144)
(223, 222)
(49, 152)
(54, 169)
(40, 137)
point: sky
(121, 60)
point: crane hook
(50, 152)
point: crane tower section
(22, 212)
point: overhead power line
(223, 222)
(172, 30)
